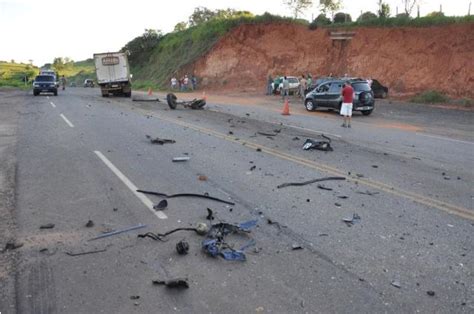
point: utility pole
(440, 8)
(418, 13)
(469, 10)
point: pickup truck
(113, 73)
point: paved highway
(79, 157)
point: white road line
(67, 121)
(145, 200)
(52, 104)
(445, 138)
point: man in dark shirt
(346, 107)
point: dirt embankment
(407, 60)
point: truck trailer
(113, 73)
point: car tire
(366, 98)
(172, 101)
(35, 94)
(310, 105)
(128, 94)
(366, 112)
(56, 93)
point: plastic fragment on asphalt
(396, 284)
(173, 283)
(47, 226)
(108, 234)
(163, 204)
(350, 221)
(182, 247)
(90, 224)
(324, 144)
(181, 159)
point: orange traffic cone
(149, 91)
(286, 108)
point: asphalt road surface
(79, 157)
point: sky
(42, 30)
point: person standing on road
(303, 86)
(285, 90)
(194, 82)
(63, 82)
(346, 107)
(185, 82)
(269, 85)
(174, 82)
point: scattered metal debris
(47, 226)
(182, 247)
(13, 246)
(90, 224)
(173, 283)
(134, 297)
(178, 159)
(337, 204)
(324, 145)
(430, 293)
(375, 166)
(160, 141)
(309, 182)
(296, 247)
(396, 284)
(350, 221)
(368, 193)
(210, 214)
(193, 104)
(201, 229)
(85, 253)
(296, 138)
(267, 134)
(108, 234)
(186, 195)
(343, 197)
(162, 205)
(215, 244)
(253, 168)
(259, 149)
(322, 187)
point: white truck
(113, 73)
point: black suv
(328, 95)
(45, 83)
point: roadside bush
(435, 14)
(366, 16)
(320, 20)
(430, 97)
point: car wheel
(56, 93)
(366, 112)
(172, 100)
(310, 105)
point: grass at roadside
(435, 97)
(17, 75)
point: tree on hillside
(366, 16)
(298, 6)
(435, 14)
(330, 6)
(200, 15)
(181, 26)
(342, 17)
(321, 19)
(140, 47)
(409, 5)
(384, 9)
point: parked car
(45, 83)
(277, 84)
(88, 83)
(379, 90)
(328, 95)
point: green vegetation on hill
(81, 71)
(154, 65)
(15, 74)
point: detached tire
(171, 99)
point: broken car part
(186, 195)
(173, 283)
(160, 141)
(108, 234)
(47, 226)
(324, 145)
(210, 214)
(90, 224)
(161, 205)
(160, 236)
(350, 221)
(85, 253)
(215, 244)
(309, 182)
(193, 104)
(178, 159)
(182, 247)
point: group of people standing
(184, 83)
(305, 83)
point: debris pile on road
(160, 141)
(322, 144)
(193, 104)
